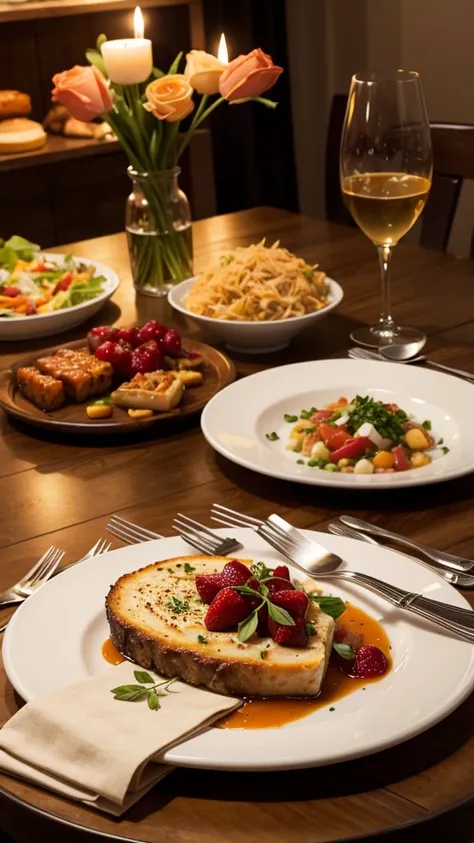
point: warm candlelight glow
(138, 24)
(223, 53)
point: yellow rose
(170, 98)
(203, 71)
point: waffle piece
(43, 391)
(158, 391)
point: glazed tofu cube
(45, 392)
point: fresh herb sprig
(147, 689)
(247, 627)
(178, 606)
(188, 569)
(332, 606)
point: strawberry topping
(369, 662)
(236, 573)
(289, 636)
(295, 602)
(226, 610)
(207, 586)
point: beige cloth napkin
(85, 745)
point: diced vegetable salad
(30, 285)
(361, 436)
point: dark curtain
(253, 145)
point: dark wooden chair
(453, 155)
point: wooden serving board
(218, 372)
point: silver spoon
(408, 353)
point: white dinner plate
(236, 421)
(55, 638)
(47, 324)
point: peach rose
(203, 71)
(248, 76)
(170, 98)
(84, 92)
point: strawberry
(235, 573)
(207, 586)
(282, 584)
(226, 610)
(295, 602)
(289, 636)
(369, 662)
(282, 571)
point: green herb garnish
(445, 450)
(306, 414)
(332, 708)
(345, 651)
(440, 441)
(247, 627)
(310, 629)
(300, 462)
(140, 692)
(290, 419)
(178, 606)
(261, 571)
(387, 423)
(332, 606)
(263, 654)
(426, 424)
(272, 436)
(202, 640)
(188, 569)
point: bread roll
(20, 135)
(14, 104)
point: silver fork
(462, 580)
(202, 538)
(129, 532)
(303, 552)
(39, 573)
(365, 354)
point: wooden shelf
(58, 148)
(61, 8)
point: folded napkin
(88, 746)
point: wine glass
(386, 167)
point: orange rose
(203, 71)
(170, 98)
(248, 76)
(84, 92)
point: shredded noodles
(258, 283)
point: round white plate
(55, 637)
(236, 421)
(47, 324)
(254, 337)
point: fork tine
(41, 571)
(25, 580)
(49, 568)
(191, 524)
(121, 522)
(134, 534)
(102, 547)
(193, 540)
(246, 520)
(209, 544)
(276, 543)
(123, 535)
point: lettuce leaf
(25, 250)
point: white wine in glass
(386, 170)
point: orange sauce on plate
(110, 653)
(273, 713)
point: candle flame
(223, 53)
(138, 24)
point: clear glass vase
(159, 231)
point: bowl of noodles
(257, 298)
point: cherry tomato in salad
(353, 449)
(41, 267)
(394, 408)
(321, 416)
(172, 343)
(12, 292)
(334, 437)
(400, 459)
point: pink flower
(248, 76)
(84, 92)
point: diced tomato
(401, 462)
(12, 292)
(334, 437)
(31, 309)
(392, 407)
(353, 449)
(64, 283)
(321, 415)
(41, 267)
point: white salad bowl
(253, 337)
(46, 324)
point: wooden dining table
(62, 489)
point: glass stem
(385, 322)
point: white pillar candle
(129, 61)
